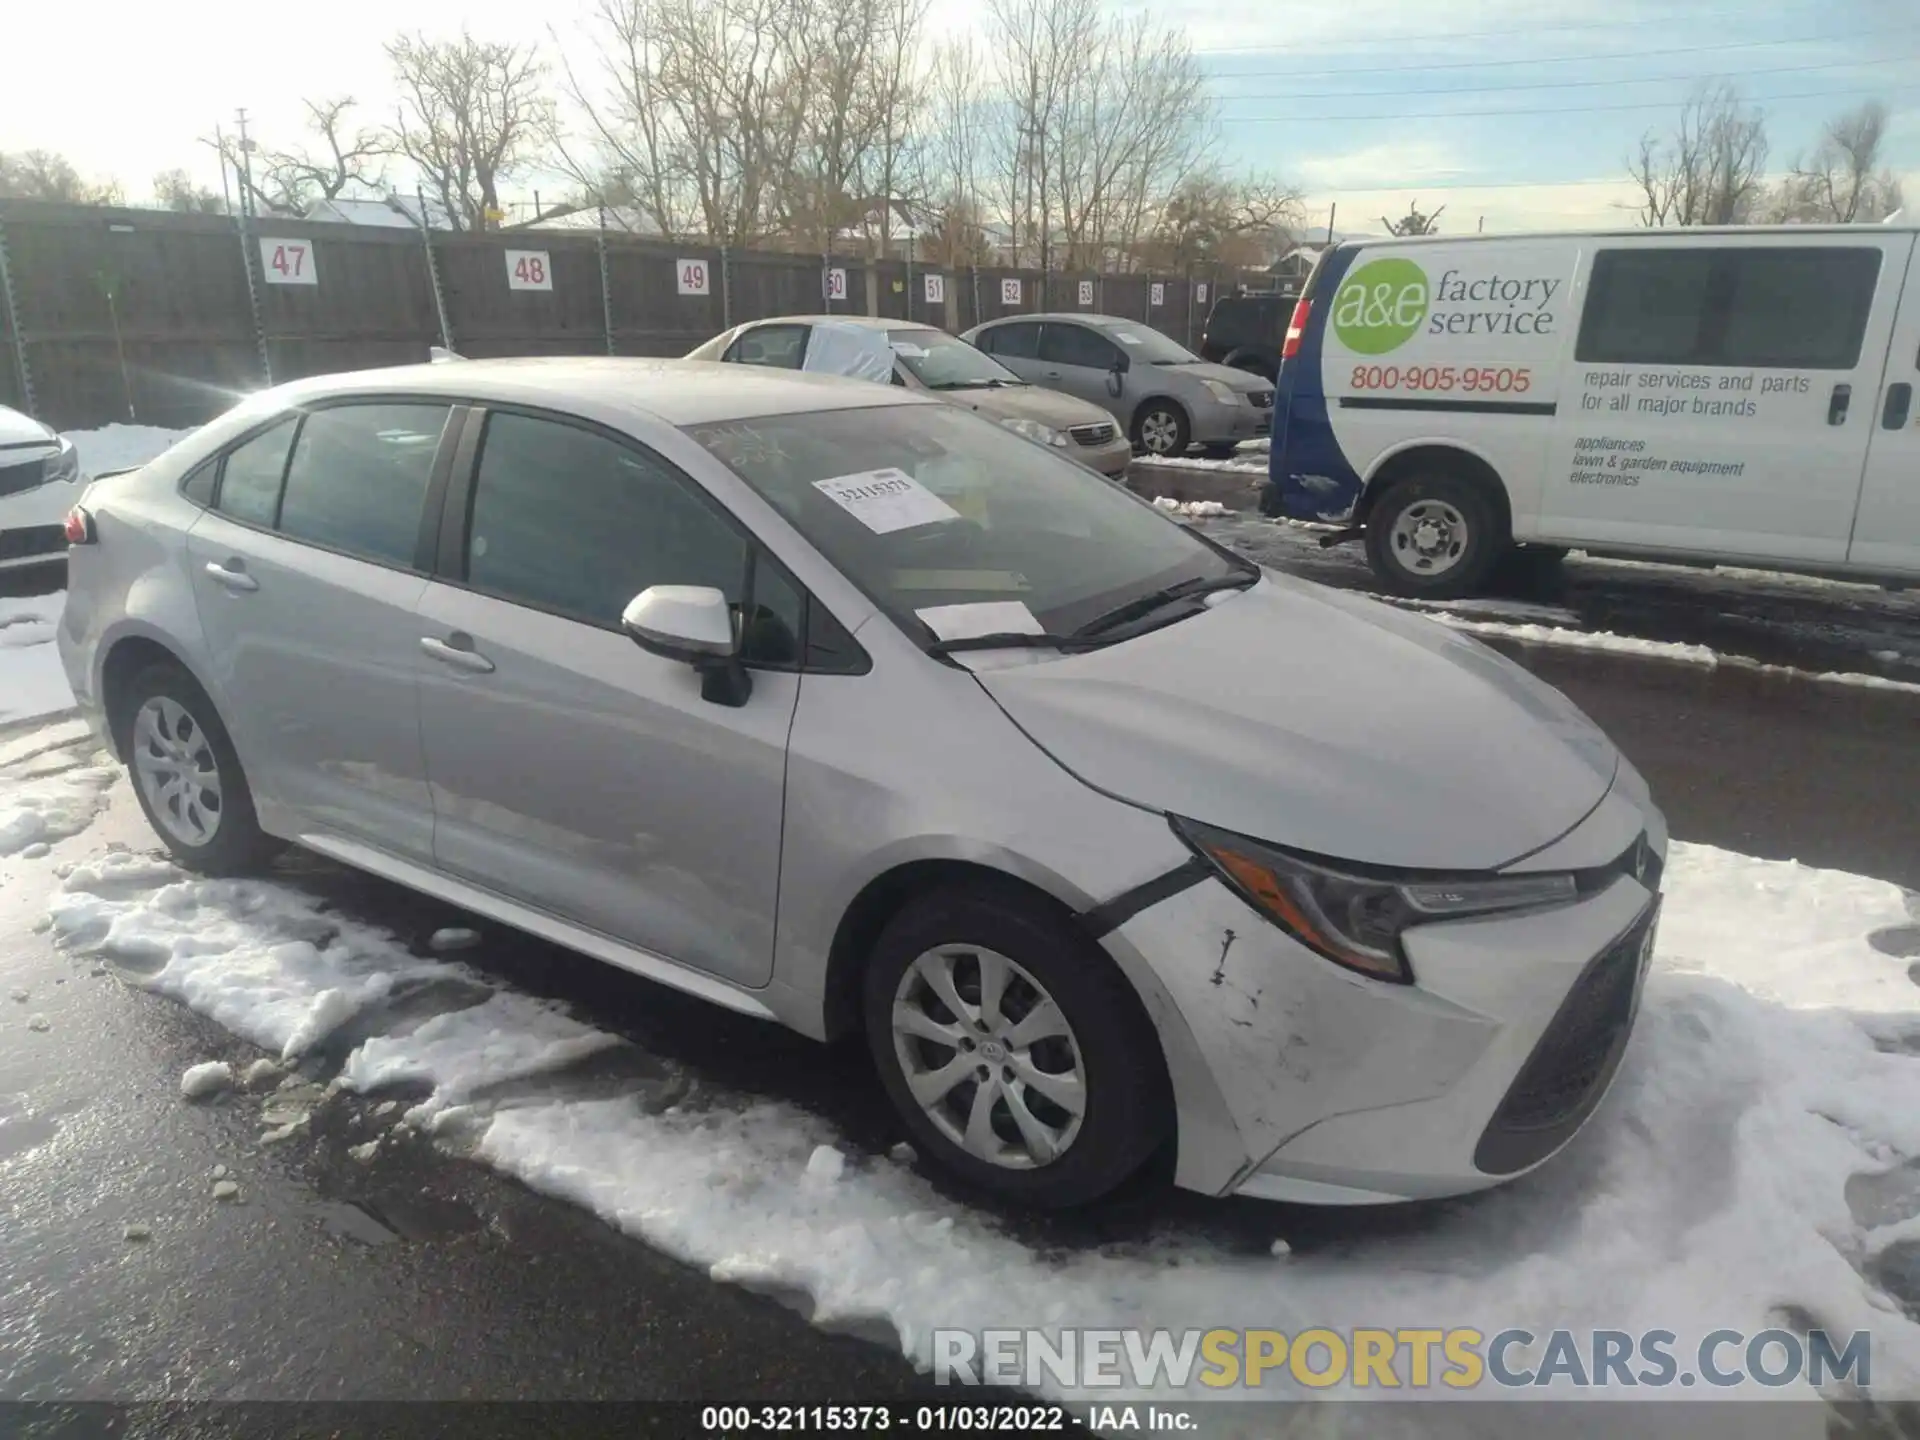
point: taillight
(1296, 327)
(80, 527)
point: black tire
(1128, 1111)
(1220, 452)
(237, 844)
(1469, 549)
(1158, 413)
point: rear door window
(779, 346)
(250, 476)
(358, 479)
(1017, 342)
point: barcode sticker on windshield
(886, 500)
(910, 350)
(982, 617)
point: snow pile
(1196, 508)
(210, 1077)
(35, 812)
(1237, 464)
(1658, 649)
(32, 681)
(120, 447)
(258, 957)
(1774, 1061)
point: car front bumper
(1339, 1089)
(1110, 459)
(32, 521)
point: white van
(1740, 395)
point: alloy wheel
(178, 773)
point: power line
(1508, 32)
(1564, 59)
(1568, 84)
(1309, 119)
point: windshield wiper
(1166, 595)
(1009, 640)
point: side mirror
(1116, 377)
(692, 623)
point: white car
(39, 482)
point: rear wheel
(1017, 1055)
(187, 777)
(1434, 535)
(1220, 452)
(1161, 428)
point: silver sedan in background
(1165, 397)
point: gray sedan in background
(1165, 397)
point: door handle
(1837, 406)
(457, 650)
(1893, 416)
(231, 579)
(1052, 374)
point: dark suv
(1246, 331)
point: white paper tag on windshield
(886, 500)
(909, 350)
(1126, 339)
(982, 617)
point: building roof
(400, 212)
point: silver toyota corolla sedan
(849, 709)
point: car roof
(678, 392)
(1080, 316)
(865, 322)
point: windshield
(939, 361)
(926, 506)
(1149, 347)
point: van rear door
(1886, 532)
(1722, 393)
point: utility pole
(249, 251)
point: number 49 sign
(529, 270)
(690, 277)
(287, 262)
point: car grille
(32, 540)
(1569, 1068)
(1092, 434)
(1262, 399)
(19, 475)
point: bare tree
(1214, 218)
(1414, 222)
(44, 175)
(177, 190)
(340, 158)
(473, 113)
(1843, 181)
(634, 162)
(948, 157)
(1711, 169)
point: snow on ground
(1657, 649)
(1777, 1057)
(47, 795)
(119, 447)
(1195, 508)
(31, 680)
(1238, 463)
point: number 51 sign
(287, 262)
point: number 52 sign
(287, 262)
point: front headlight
(64, 464)
(1222, 392)
(1354, 915)
(1033, 430)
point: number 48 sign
(287, 262)
(529, 270)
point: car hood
(23, 430)
(1322, 722)
(1028, 402)
(1242, 381)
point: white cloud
(1387, 164)
(1604, 205)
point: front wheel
(187, 777)
(1161, 429)
(1434, 536)
(1017, 1055)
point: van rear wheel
(1434, 536)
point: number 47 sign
(287, 262)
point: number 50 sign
(287, 262)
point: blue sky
(1350, 99)
(1369, 102)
